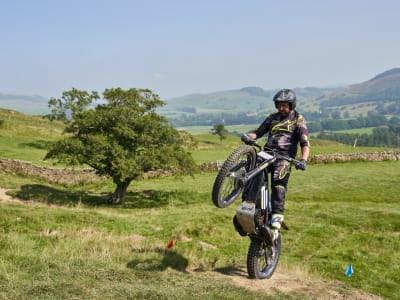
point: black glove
(301, 165)
(246, 139)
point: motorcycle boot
(276, 224)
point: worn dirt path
(289, 282)
(304, 287)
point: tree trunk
(119, 193)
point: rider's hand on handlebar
(246, 139)
(301, 165)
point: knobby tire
(260, 263)
(226, 189)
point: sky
(179, 47)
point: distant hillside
(378, 93)
(245, 100)
(28, 104)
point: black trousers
(280, 173)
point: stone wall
(57, 175)
(76, 176)
(365, 156)
(326, 158)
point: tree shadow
(52, 196)
(210, 143)
(39, 144)
(138, 199)
(168, 259)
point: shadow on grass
(140, 199)
(211, 143)
(40, 144)
(168, 259)
(49, 195)
(231, 271)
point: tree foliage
(220, 130)
(121, 138)
(380, 137)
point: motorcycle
(252, 219)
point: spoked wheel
(262, 259)
(226, 186)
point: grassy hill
(66, 241)
(76, 246)
(244, 100)
(26, 137)
(380, 94)
(375, 94)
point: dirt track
(296, 284)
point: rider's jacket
(284, 133)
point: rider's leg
(279, 180)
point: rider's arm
(305, 152)
(303, 137)
(263, 129)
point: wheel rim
(267, 259)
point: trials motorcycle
(252, 219)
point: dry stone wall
(365, 156)
(57, 175)
(76, 176)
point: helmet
(286, 95)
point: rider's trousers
(280, 172)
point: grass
(26, 137)
(67, 242)
(95, 251)
(211, 148)
(350, 221)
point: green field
(67, 242)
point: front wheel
(262, 259)
(226, 186)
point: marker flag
(170, 244)
(349, 271)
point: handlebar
(249, 141)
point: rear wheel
(262, 259)
(226, 186)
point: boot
(276, 223)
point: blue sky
(180, 47)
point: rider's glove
(301, 165)
(246, 139)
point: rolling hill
(383, 87)
(380, 94)
(244, 100)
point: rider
(285, 129)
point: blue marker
(349, 271)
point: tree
(121, 138)
(220, 130)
